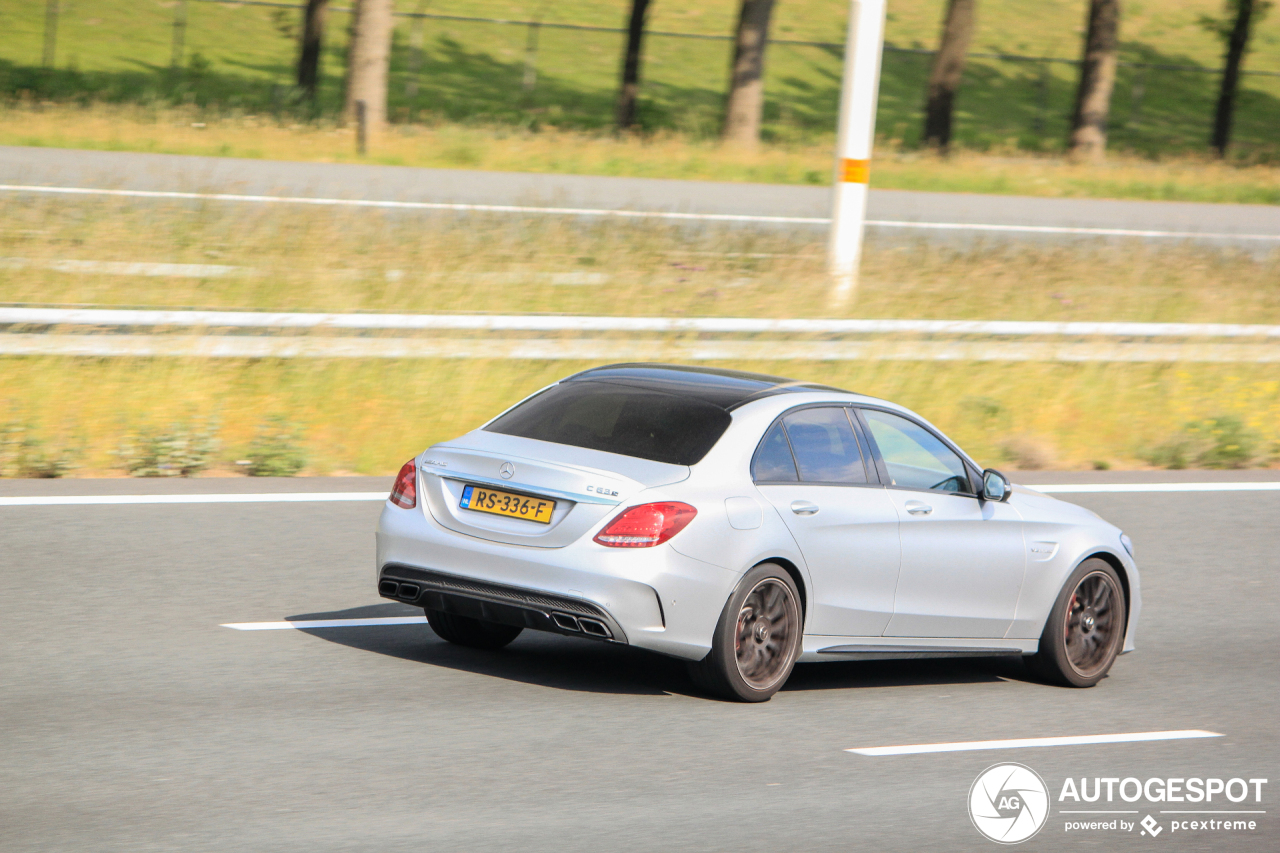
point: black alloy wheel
(1085, 629)
(758, 639)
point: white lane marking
(1075, 740)
(636, 214)
(1086, 488)
(418, 205)
(324, 623)
(279, 497)
(1062, 229)
(554, 323)
(613, 349)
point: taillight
(404, 493)
(646, 525)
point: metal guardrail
(242, 334)
(13, 315)
(620, 350)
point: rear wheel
(472, 633)
(1085, 628)
(757, 639)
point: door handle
(918, 508)
(804, 507)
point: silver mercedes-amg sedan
(743, 523)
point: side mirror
(995, 486)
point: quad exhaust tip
(582, 625)
(402, 591)
(566, 622)
(595, 628)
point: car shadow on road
(847, 675)
(549, 660)
(568, 663)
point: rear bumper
(507, 605)
(652, 598)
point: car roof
(727, 389)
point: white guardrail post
(859, 93)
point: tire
(472, 633)
(1085, 628)
(757, 639)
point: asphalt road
(131, 721)
(169, 172)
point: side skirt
(816, 650)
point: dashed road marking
(324, 623)
(116, 500)
(1020, 743)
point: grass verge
(367, 416)
(305, 260)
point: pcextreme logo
(1008, 803)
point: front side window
(825, 448)
(915, 457)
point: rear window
(619, 419)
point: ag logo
(507, 470)
(1008, 803)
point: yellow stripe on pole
(855, 171)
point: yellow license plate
(483, 499)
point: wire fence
(467, 67)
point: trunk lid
(586, 485)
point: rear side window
(825, 448)
(773, 462)
(813, 446)
(619, 419)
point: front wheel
(472, 633)
(1085, 628)
(757, 640)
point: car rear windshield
(619, 419)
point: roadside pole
(858, 95)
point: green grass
(368, 416)
(241, 57)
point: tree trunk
(311, 43)
(1097, 78)
(948, 65)
(1237, 42)
(630, 89)
(746, 83)
(368, 61)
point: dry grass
(302, 259)
(368, 416)
(178, 131)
